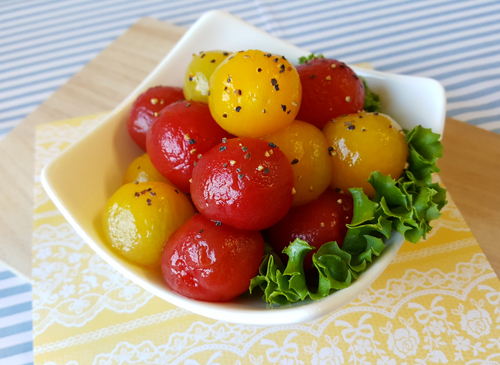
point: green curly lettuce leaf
(311, 57)
(406, 205)
(372, 100)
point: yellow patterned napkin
(438, 302)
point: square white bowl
(83, 178)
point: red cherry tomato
(246, 183)
(182, 133)
(145, 109)
(210, 262)
(321, 221)
(329, 89)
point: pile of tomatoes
(252, 149)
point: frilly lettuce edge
(406, 205)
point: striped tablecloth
(43, 43)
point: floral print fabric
(438, 302)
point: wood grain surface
(470, 168)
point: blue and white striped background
(43, 43)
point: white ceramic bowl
(82, 179)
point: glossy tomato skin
(183, 132)
(139, 218)
(253, 93)
(146, 108)
(142, 170)
(245, 183)
(307, 150)
(362, 143)
(198, 73)
(321, 221)
(329, 88)
(210, 262)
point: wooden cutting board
(471, 163)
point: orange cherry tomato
(362, 143)
(253, 94)
(307, 150)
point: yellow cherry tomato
(306, 148)
(198, 73)
(253, 94)
(139, 218)
(142, 170)
(362, 143)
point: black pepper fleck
(201, 231)
(265, 171)
(192, 141)
(212, 61)
(245, 149)
(274, 82)
(259, 70)
(277, 87)
(294, 161)
(222, 148)
(152, 193)
(283, 107)
(225, 165)
(351, 127)
(177, 191)
(218, 223)
(137, 194)
(190, 78)
(224, 115)
(312, 76)
(241, 176)
(247, 156)
(275, 60)
(149, 201)
(225, 53)
(330, 150)
(271, 144)
(238, 108)
(188, 105)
